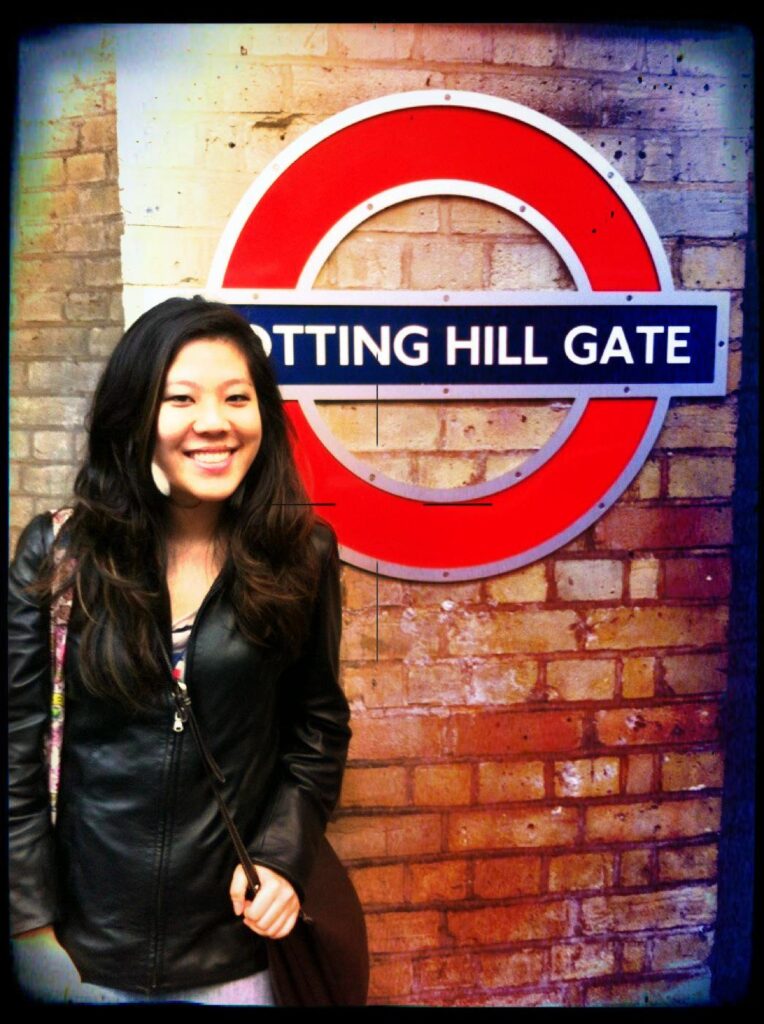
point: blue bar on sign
(488, 345)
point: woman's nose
(210, 418)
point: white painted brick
(374, 41)
(525, 45)
(606, 49)
(704, 159)
(712, 213)
(326, 89)
(691, 103)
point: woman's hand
(273, 912)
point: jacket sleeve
(33, 886)
(314, 739)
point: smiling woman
(190, 540)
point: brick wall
(66, 301)
(532, 805)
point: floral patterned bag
(60, 611)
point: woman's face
(209, 428)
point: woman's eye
(178, 399)
(238, 398)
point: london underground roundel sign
(619, 346)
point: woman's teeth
(211, 457)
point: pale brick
(634, 103)
(695, 673)
(43, 206)
(48, 412)
(532, 266)
(64, 377)
(603, 49)
(445, 263)
(476, 217)
(511, 425)
(500, 782)
(620, 149)
(97, 200)
(441, 682)
(589, 580)
(646, 484)
(582, 960)
(87, 306)
(52, 445)
(727, 160)
(702, 53)
(48, 274)
(33, 239)
(656, 159)
(447, 471)
(21, 511)
(723, 214)
(317, 88)
(101, 341)
(365, 262)
(638, 677)
(49, 136)
(399, 467)
(103, 270)
(410, 426)
(522, 585)
(498, 465)
(15, 483)
(712, 266)
(496, 681)
(574, 100)
(102, 236)
(622, 628)
(47, 480)
(445, 595)
(525, 45)
(85, 167)
(41, 172)
(579, 679)
(98, 133)
(643, 578)
(692, 476)
(20, 444)
(30, 306)
(416, 215)
(586, 777)
(462, 43)
(48, 342)
(693, 771)
(363, 589)
(374, 41)
(298, 40)
(699, 425)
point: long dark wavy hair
(117, 532)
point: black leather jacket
(136, 873)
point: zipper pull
(177, 724)
(181, 703)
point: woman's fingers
(273, 912)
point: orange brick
(634, 956)
(632, 528)
(492, 830)
(675, 723)
(390, 978)
(396, 736)
(380, 884)
(510, 780)
(529, 920)
(386, 835)
(681, 950)
(667, 819)
(669, 626)
(586, 777)
(638, 677)
(514, 732)
(438, 880)
(403, 931)
(506, 970)
(501, 877)
(374, 787)
(696, 770)
(639, 773)
(635, 867)
(685, 863)
(582, 960)
(456, 970)
(580, 679)
(695, 673)
(445, 784)
(574, 871)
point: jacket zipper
(180, 703)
